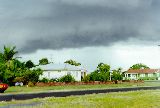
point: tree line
(13, 70)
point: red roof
(143, 71)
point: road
(9, 97)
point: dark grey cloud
(57, 24)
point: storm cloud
(58, 24)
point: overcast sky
(117, 32)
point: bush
(86, 78)
(54, 80)
(116, 76)
(93, 76)
(148, 78)
(19, 79)
(101, 76)
(44, 80)
(67, 78)
(32, 75)
(30, 84)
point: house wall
(141, 75)
(132, 75)
(158, 74)
(58, 74)
(150, 75)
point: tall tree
(9, 53)
(103, 67)
(7, 63)
(102, 73)
(11, 67)
(139, 66)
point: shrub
(93, 76)
(54, 80)
(30, 84)
(86, 78)
(44, 80)
(67, 78)
(32, 75)
(116, 76)
(148, 78)
(101, 76)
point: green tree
(117, 74)
(3, 66)
(72, 62)
(7, 63)
(139, 66)
(103, 67)
(67, 78)
(29, 64)
(9, 53)
(43, 61)
(12, 69)
(32, 75)
(102, 73)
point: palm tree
(7, 62)
(9, 53)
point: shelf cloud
(58, 24)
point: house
(146, 74)
(54, 71)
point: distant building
(53, 71)
(146, 74)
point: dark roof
(143, 70)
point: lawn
(132, 99)
(15, 90)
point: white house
(52, 71)
(142, 73)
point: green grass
(15, 90)
(133, 99)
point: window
(129, 75)
(154, 74)
(146, 74)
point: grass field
(15, 90)
(134, 99)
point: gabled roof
(143, 71)
(60, 67)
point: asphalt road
(9, 97)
